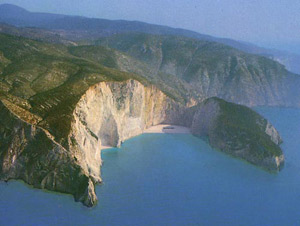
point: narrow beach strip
(167, 128)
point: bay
(173, 179)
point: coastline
(162, 128)
(167, 128)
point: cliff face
(108, 114)
(29, 153)
(206, 69)
(57, 110)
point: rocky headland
(60, 106)
(109, 113)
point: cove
(173, 179)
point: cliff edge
(108, 113)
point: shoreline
(168, 128)
(162, 128)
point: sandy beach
(166, 128)
(106, 147)
(162, 128)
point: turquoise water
(165, 179)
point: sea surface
(171, 179)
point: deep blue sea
(165, 179)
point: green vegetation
(190, 56)
(245, 129)
(41, 83)
(202, 69)
(48, 81)
(98, 54)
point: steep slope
(57, 111)
(288, 59)
(111, 58)
(107, 114)
(67, 158)
(28, 152)
(207, 69)
(41, 86)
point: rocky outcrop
(273, 133)
(108, 114)
(29, 153)
(57, 111)
(111, 112)
(240, 132)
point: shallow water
(172, 179)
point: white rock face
(273, 133)
(106, 115)
(111, 112)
